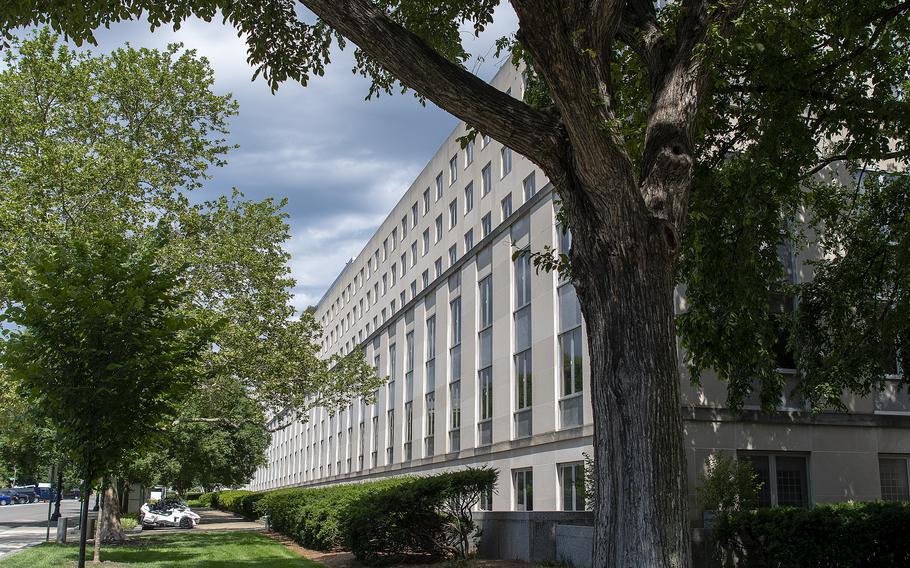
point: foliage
(317, 518)
(728, 485)
(148, 124)
(849, 535)
(379, 520)
(226, 451)
(425, 516)
(101, 344)
(206, 499)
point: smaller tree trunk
(111, 531)
(96, 557)
(83, 521)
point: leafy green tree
(223, 452)
(102, 345)
(684, 141)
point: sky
(341, 161)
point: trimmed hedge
(428, 516)
(317, 518)
(844, 535)
(380, 521)
(206, 499)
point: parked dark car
(25, 494)
(46, 494)
(6, 497)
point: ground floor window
(894, 473)
(523, 480)
(784, 477)
(486, 500)
(572, 480)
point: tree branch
(532, 133)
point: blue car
(6, 497)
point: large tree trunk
(623, 261)
(111, 531)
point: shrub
(423, 516)
(845, 535)
(206, 499)
(317, 517)
(226, 500)
(728, 485)
(192, 495)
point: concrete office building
(487, 364)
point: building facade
(486, 362)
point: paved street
(21, 525)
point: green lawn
(173, 550)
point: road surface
(22, 525)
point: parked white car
(167, 513)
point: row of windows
(529, 185)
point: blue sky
(341, 161)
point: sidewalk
(214, 520)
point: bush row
(380, 521)
(854, 535)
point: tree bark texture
(96, 557)
(625, 286)
(111, 531)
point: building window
(375, 452)
(455, 375)
(530, 186)
(506, 155)
(469, 153)
(485, 375)
(486, 225)
(426, 201)
(390, 455)
(522, 321)
(438, 228)
(431, 354)
(426, 278)
(429, 439)
(409, 368)
(486, 500)
(455, 416)
(361, 443)
(404, 263)
(408, 430)
(385, 249)
(404, 228)
(784, 477)
(486, 179)
(394, 238)
(413, 288)
(523, 480)
(506, 207)
(570, 354)
(453, 213)
(453, 169)
(439, 187)
(426, 241)
(414, 253)
(572, 481)
(437, 265)
(468, 240)
(453, 254)
(894, 473)
(485, 141)
(394, 273)
(413, 215)
(469, 198)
